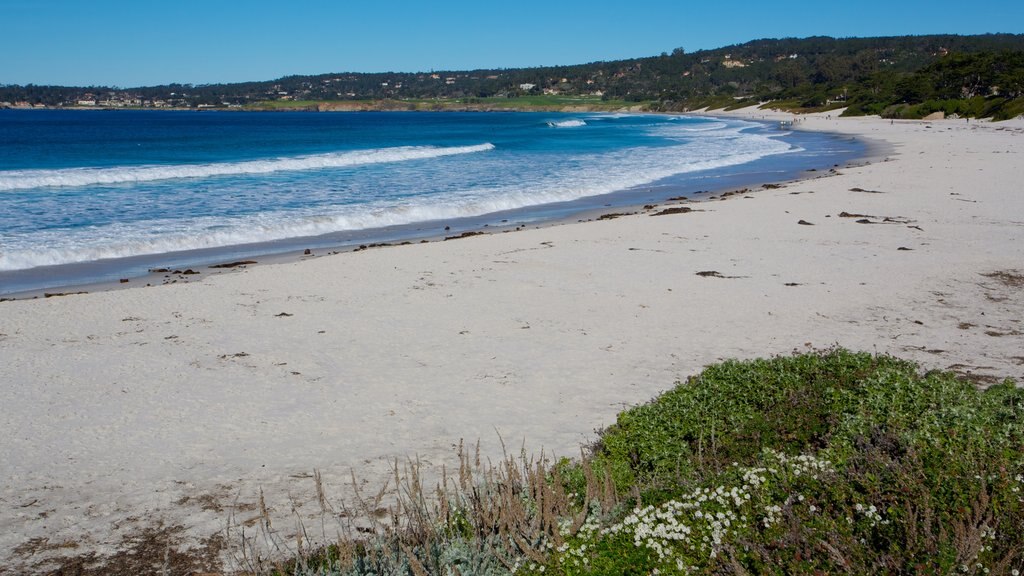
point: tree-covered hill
(898, 76)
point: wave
(615, 116)
(610, 173)
(74, 177)
(567, 124)
(421, 193)
(705, 127)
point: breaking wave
(613, 172)
(166, 208)
(71, 177)
(567, 124)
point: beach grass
(826, 462)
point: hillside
(906, 76)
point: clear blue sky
(146, 42)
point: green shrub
(729, 412)
(829, 462)
(1011, 109)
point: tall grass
(830, 462)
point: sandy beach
(165, 411)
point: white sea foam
(609, 173)
(567, 124)
(479, 189)
(704, 127)
(69, 177)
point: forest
(900, 77)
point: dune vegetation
(829, 462)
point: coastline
(178, 404)
(384, 105)
(810, 156)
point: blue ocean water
(81, 187)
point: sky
(150, 42)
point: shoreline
(148, 270)
(369, 106)
(182, 405)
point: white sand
(119, 406)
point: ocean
(92, 196)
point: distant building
(527, 87)
(86, 102)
